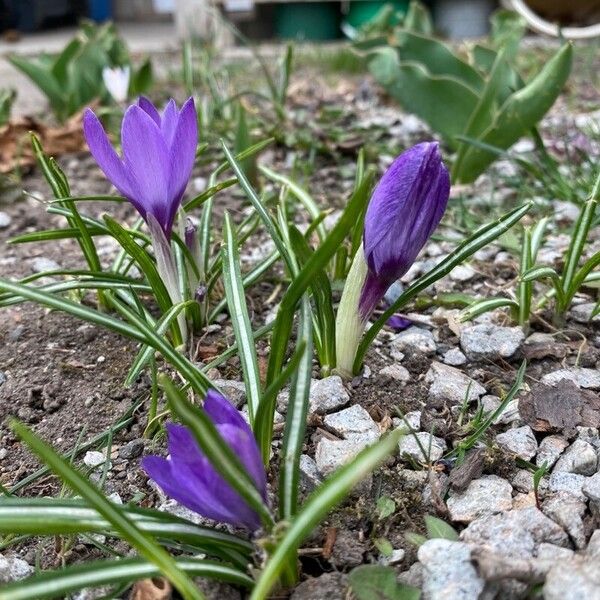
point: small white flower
(116, 81)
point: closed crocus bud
(188, 476)
(405, 208)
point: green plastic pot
(362, 11)
(307, 21)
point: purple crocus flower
(188, 476)
(158, 156)
(405, 208)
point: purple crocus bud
(405, 208)
(158, 156)
(398, 322)
(188, 476)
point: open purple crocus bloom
(405, 208)
(188, 476)
(158, 156)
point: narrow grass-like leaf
(316, 507)
(525, 288)
(301, 194)
(240, 319)
(265, 217)
(480, 238)
(295, 423)
(482, 306)
(208, 193)
(217, 451)
(139, 540)
(58, 584)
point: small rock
(395, 558)
(454, 358)
(551, 552)
(332, 454)
(462, 273)
(332, 586)
(580, 457)
(397, 372)
(591, 488)
(327, 394)
(451, 385)
(2, 378)
(551, 447)
(433, 447)
(580, 376)
(5, 220)
(567, 510)
(132, 449)
(510, 414)
(412, 419)
(516, 533)
(567, 482)
(353, 421)
(414, 340)
(234, 391)
(488, 495)
(93, 458)
(348, 550)
(309, 473)
(490, 341)
(41, 264)
(573, 579)
(448, 572)
(413, 577)
(14, 569)
(582, 313)
(519, 441)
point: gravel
(451, 385)
(448, 573)
(414, 340)
(488, 495)
(567, 482)
(13, 568)
(396, 372)
(580, 457)
(327, 394)
(454, 358)
(519, 441)
(550, 449)
(433, 447)
(352, 422)
(567, 510)
(580, 376)
(5, 220)
(488, 341)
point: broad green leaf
(385, 507)
(520, 112)
(376, 582)
(419, 92)
(436, 528)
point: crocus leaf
(436, 528)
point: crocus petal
(182, 155)
(371, 294)
(168, 475)
(104, 154)
(146, 158)
(149, 108)
(222, 412)
(398, 322)
(405, 208)
(168, 122)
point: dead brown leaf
(15, 145)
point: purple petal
(168, 122)
(406, 206)
(398, 322)
(182, 154)
(149, 109)
(146, 158)
(222, 412)
(104, 154)
(371, 294)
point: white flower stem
(349, 326)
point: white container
(459, 19)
